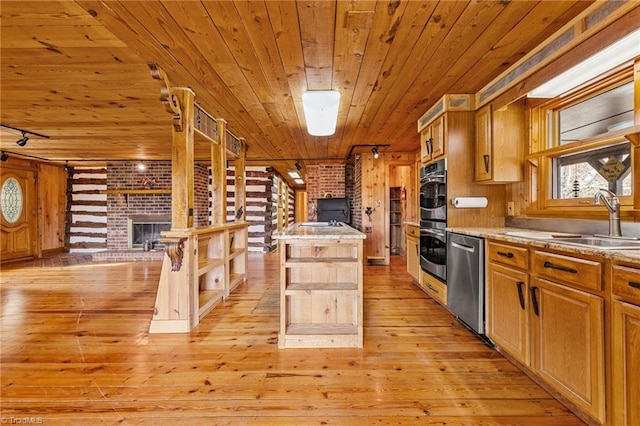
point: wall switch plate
(511, 208)
(368, 229)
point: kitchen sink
(600, 243)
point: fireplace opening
(146, 228)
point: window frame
(547, 148)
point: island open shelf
(320, 287)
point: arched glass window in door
(11, 197)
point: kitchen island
(320, 286)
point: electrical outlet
(511, 209)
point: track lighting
(375, 152)
(23, 140)
(298, 166)
(4, 156)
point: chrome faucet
(613, 205)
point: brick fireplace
(149, 212)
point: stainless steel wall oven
(433, 219)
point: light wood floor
(75, 350)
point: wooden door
(483, 160)
(438, 137)
(507, 311)
(413, 257)
(425, 144)
(626, 364)
(569, 343)
(18, 233)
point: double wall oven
(433, 219)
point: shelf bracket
(174, 249)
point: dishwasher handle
(464, 247)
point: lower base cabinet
(413, 252)
(550, 318)
(508, 311)
(626, 364)
(569, 344)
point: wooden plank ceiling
(77, 71)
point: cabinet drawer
(509, 255)
(575, 271)
(413, 231)
(434, 288)
(626, 283)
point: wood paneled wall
(376, 176)
(52, 207)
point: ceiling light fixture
(375, 152)
(321, 111)
(294, 174)
(299, 181)
(4, 156)
(298, 166)
(607, 59)
(23, 140)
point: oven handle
(432, 232)
(433, 178)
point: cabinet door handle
(634, 284)
(486, 162)
(431, 288)
(550, 265)
(426, 144)
(534, 300)
(417, 250)
(507, 255)
(520, 284)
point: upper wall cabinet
(500, 139)
(432, 140)
(432, 125)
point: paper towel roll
(470, 202)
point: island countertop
(318, 230)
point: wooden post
(241, 184)
(182, 185)
(219, 176)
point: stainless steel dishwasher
(465, 279)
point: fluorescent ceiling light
(616, 54)
(321, 111)
(294, 174)
(299, 181)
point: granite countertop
(498, 234)
(412, 223)
(314, 231)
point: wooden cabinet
(413, 252)
(508, 303)
(569, 343)
(500, 141)
(625, 345)
(432, 126)
(320, 293)
(433, 287)
(432, 140)
(548, 314)
(508, 323)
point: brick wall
(323, 179)
(126, 176)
